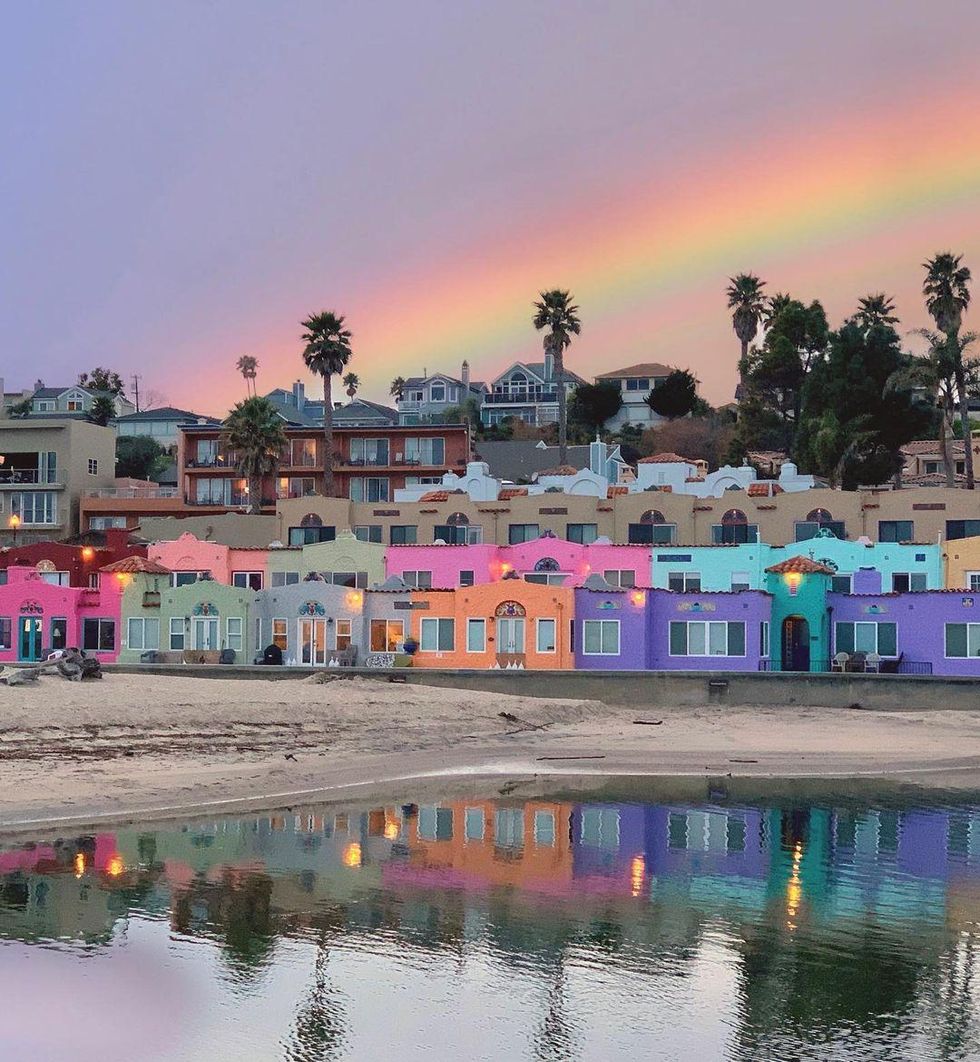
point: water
(657, 921)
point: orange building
(510, 623)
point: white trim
(537, 635)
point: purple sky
(183, 182)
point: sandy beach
(135, 745)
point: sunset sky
(184, 182)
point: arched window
(819, 523)
(311, 520)
(547, 564)
(734, 528)
(456, 530)
(819, 516)
(652, 530)
(457, 519)
(653, 516)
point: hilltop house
(424, 397)
(72, 401)
(635, 382)
(529, 391)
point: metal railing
(15, 476)
(520, 397)
(132, 492)
(858, 666)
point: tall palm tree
(397, 391)
(947, 294)
(248, 367)
(326, 353)
(556, 312)
(746, 299)
(875, 309)
(775, 305)
(254, 430)
(352, 382)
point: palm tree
(326, 353)
(775, 305)
(947, 295)
(352, 382)
(877, 309)
(397, 391)
(248, 367)
(746, 299)
(254, 430)
(556, 312)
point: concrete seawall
(639, 689)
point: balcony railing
(858, 666)
(132, 493)
(228, 461)
(522, 398)
(13, 477)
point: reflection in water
(540, 929)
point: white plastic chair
(872, 662)
(839, 663)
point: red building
(72, 564)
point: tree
(254, 430)
(855, 416)
(947, 294)
(696, 438)
(100, 379)
(875, 310)
(397, 391)
(746, 299)
(467, 412)
(775, 305)
(139, 457)
(22, 408)
(351, 382)
(103, 410)
(248, 367)
(676, 396)
(556, 312)
(593, 404)
(326, 353)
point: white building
(635, 382)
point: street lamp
(13, 523)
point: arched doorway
(796, 644)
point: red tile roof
(664, 459)
(435, 495)
(136, 566)
(616, 491)
(561, 470)
(507, 493)
(766, 488)
(801, 566)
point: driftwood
(71, 665)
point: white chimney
(464, 376)
(549, 366)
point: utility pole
(136, 391)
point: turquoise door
(29, 642)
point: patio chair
(839, 662)
(872, 662)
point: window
(903, 582)
(185, 578)
(103, 523)
(435, 824)
(93, 466)
(458, 531)
(233, 633)
(962, 639)
(600, 827)
(59, 633)
(56, 578)
(740, 580)
(404, 534)
(764, 638)
(473, 824)
(368, 532)
(74, 405)
(369, 452)
(840, 584)
(420, 580)
(518, 533)
(143, 633)
(437, 392)
(386, 635)
(349, 579)
(5, 629)
(466, 578)
(962, 528)
(973, 581)
(734, 528)
(476, 635)
(99, 635)
(508, 828)
(437, 636)
(582, 533)
(207, 451)
(880, 638)
(343, 634)
(285, 578)
(818, 520)
(247, 580)
(546, 578)
(544, 827)
(652, 529)
(707, 638)
(684, 582)
(600, 637)
(35, 507)
(901, 531)
(624, 578)
(369, 489)
(280, 633)
(425, 451)
(635, 383)
(308, 536)
(546, 635)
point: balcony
(20, 477)
(132, 493)
(222, 461)
(521, 398)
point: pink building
(188, 556)
(548, 560)
(37, 617)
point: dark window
(368, 533)
(682, 582)
(840, 584)
(99, 635)
(247, 580)
(308, 536)
(59, 634)
(903, 530)
(903, 582)
(454, 536)
(962, 528)
(652, 529)
(734, 528)
(818, 520)
(466, 578)
(518, 533)
(404, 534)
(582, 533)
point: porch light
(638, 598)
(115, 866)
(793, 580)
(88, 553)
(392, 829)
(79, 864)
(352, 855)
(355, 599)
(638, 870)
(14, 522)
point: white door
(510, 635)
(205, 633)
(313, 641)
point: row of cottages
(76, 563)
